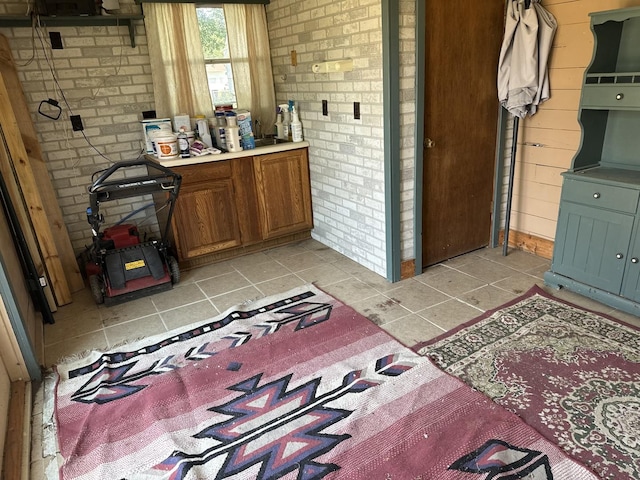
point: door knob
(619, 256)
(428, 143)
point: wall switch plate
(356, 110)
(76, 123)
(56, 40)
(325, 108)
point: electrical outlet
(76, 123)
(356, 110)
(56, 40)
(325, 108)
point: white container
(203, 132)
(233, 138)
(166, 147)
(296, 127)
(182, 120)
(152, 127)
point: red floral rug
(298, 386)
(571, 374)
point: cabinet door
(589, 243)
(284, 192)
(631, 284)
(205, 218)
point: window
(215, 46)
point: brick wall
(346, 155)
(109, 83)
(105, 81)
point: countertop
(278, 147)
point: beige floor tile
(380, 309)
(280, 284)
(287, 251)
(516, 259)
(412, 329)
(74, 345)
(486, 270)
(376, 281)
(134, 330)
(431, 271)
(453, 283)
(82, 303)
(325, 274)
(450, 314)
(416, 296)
(303, 261)
(188, 314)
(487, 297)
(625, 317)
(519, 283)
(577, 299)
(178, 296)
(251, 259)
(127, 311)
(228, 282)
(350, 291)
(205, 272)
(538, 271)
(86, 322)
(237, 297)
(263, 271)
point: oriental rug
(572, 374)
(298, 386)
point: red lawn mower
(120, 266)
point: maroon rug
(572, 374)
(297, 386)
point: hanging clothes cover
(523, 80)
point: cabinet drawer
(203, 172)
(599, 195)
(611, 96)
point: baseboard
(407, 269)
(541, 247)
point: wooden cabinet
(231, 207)
(284, 192)
(597, 245)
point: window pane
(215, 47)
(221, 84)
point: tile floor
(412, 310)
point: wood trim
(44, 188)
(541, 247)
(18, 440)
(407, 269)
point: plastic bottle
(183, 143)
(296, 127)
(279, 127)
(220, 134)
(203, 132)
(233, 133)
(284, 108)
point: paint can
(166, 147)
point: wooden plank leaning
(39, 167)
(29, 187)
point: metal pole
(512, 168)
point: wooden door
(284, 192)
(461, 106)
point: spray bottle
(284, 109)
(296, 126)
(279, 126)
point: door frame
(421, 50)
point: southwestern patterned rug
(294, 387)
(571, 374)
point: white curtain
(177, 63)
(251, 62)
